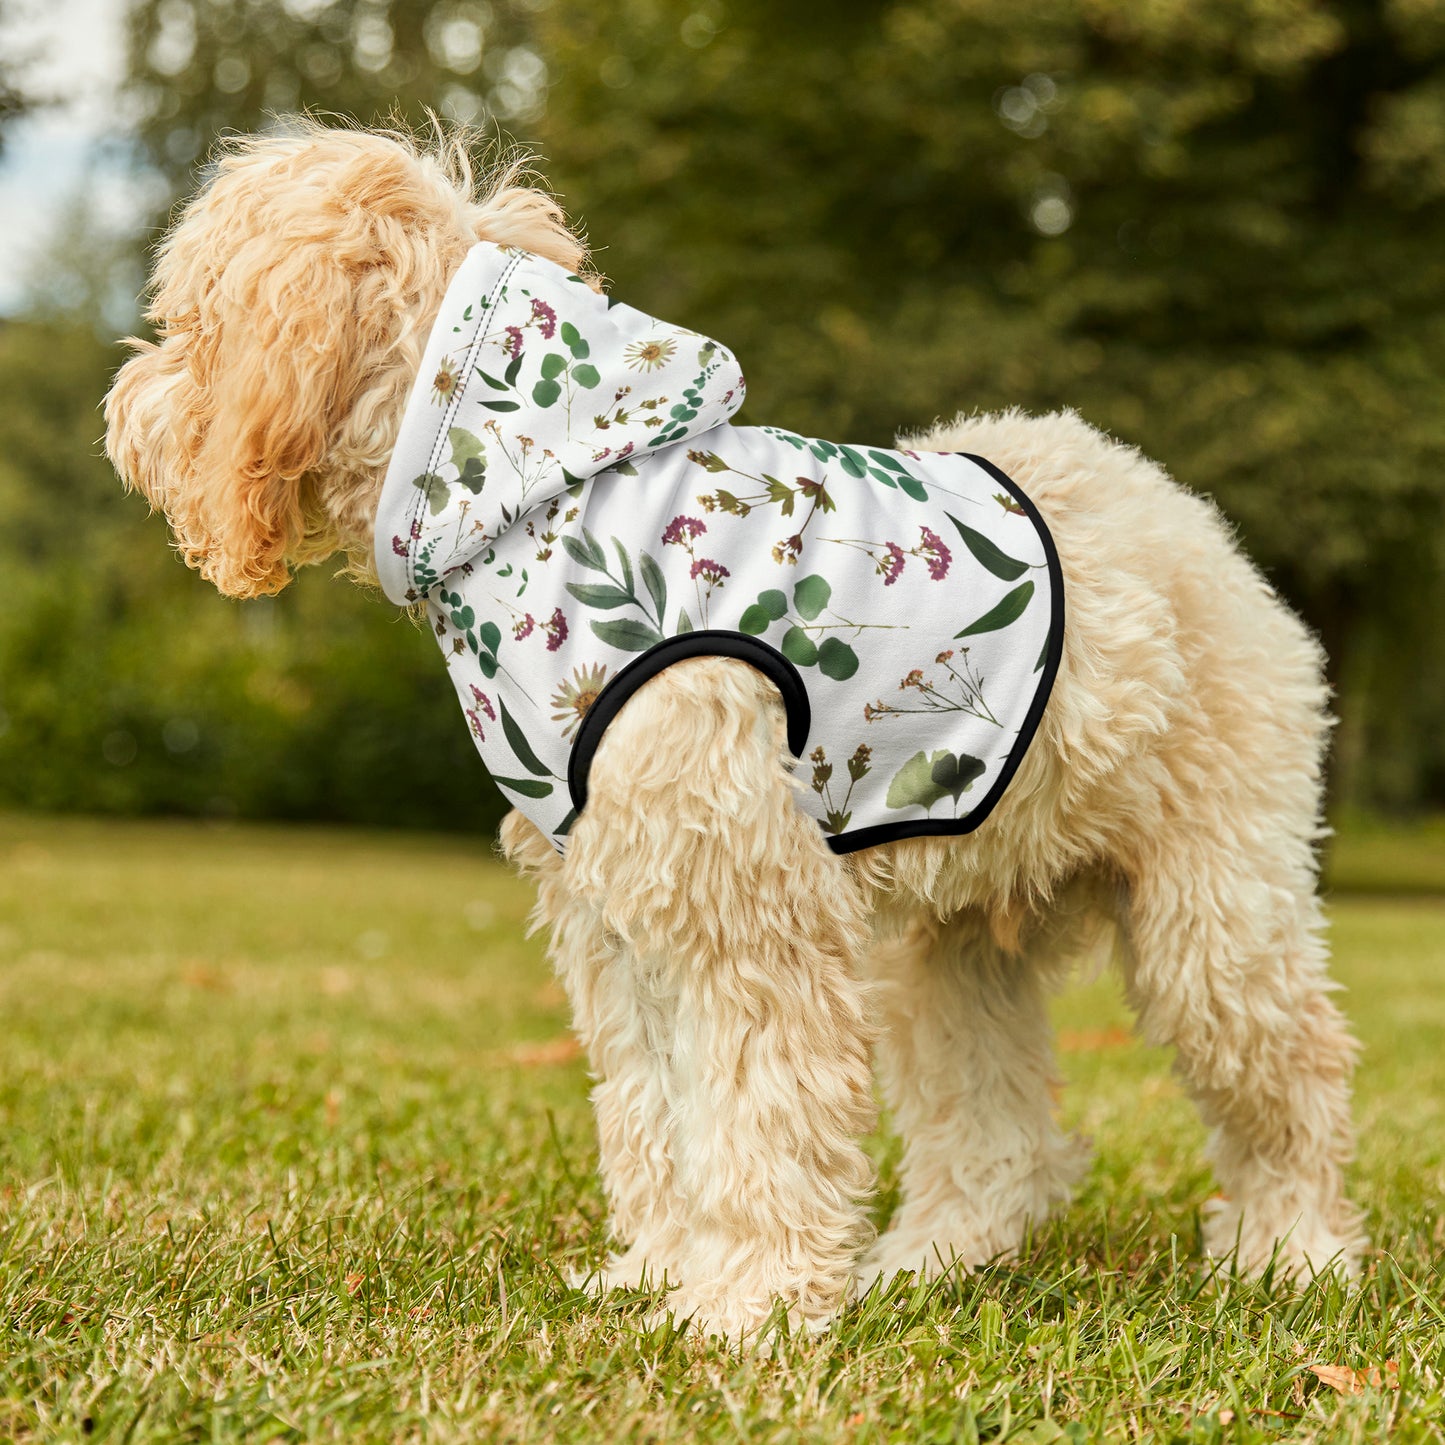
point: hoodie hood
(531, 384)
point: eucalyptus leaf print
(1003, 613)
(887, 468)
(804, 642)
(988, 553)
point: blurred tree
(1214, 226)
(14, 101)
(202, 67)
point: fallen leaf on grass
(1083, 1041)
(201, 975)
(354, 1283)
(551, 1051)
(1355, 1382)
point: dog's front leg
(743, 931)
(624, 1026)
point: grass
(292, 1146)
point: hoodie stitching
(450, 411)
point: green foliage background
(1215, 227)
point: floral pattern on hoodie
(569, 495)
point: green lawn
(292, 1146)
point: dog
(731, 975)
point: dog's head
(292, 300)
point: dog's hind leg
(966, 1061)
(625, 1028)
(1227, 964)
(746, 931)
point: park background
(294, 1140)
(1216, 229)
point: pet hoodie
(571, 503)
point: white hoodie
(569, 499)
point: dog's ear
(292, 301)
(226, 421)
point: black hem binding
(707, 642)
(718, 642)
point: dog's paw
(634, 1270)
(1299, 1246)
(906, 1251)
(751, 1324)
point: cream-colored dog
(731, 981)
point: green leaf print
(656, 583)
(773, 602)
(916, 785)
(527, 787)
(553, 365)
(628, 635)
(684, 623)
(601, 594)
(837, 660)
(491, 635)
(1002, 613)
(502, 405)
(517, 741)
(756, 620)
(545, 393)
(514, 367)
(585, 374)
(892, 463)
(585, 551)
(987, 554)
(811, 596)
(473, 476)
(625, 562)
(799, 648)
(466, 446)
(434, 489)
(956, 775)
(572, 340)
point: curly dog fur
(730, 977)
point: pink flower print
(935, 552)
(556, 629)
(681, 530)
(709, 570)
(399, 547)
(514, 342)
(545, 317)
(891, 566)
(416, 530)
(523, 627)
(483, 701)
